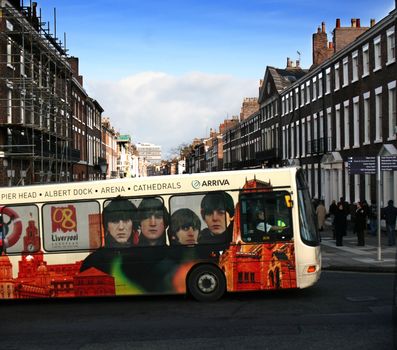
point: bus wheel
(206, 283)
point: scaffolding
(35, 99)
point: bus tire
(206, 283)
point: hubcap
(207, 283)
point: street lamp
(104, 168)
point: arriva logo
(196, 184)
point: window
(320, 85)
(377, 54)
(298, 139)
(337, 79)
(71, 226)
(329, 127)
(296, 98)
(9, 104)
(367, 125)
(346, 126)
(208, 217)
(303, 138)
(314, 84)
(308, 92)
(356, 121)
(327, 81)
(365, 60)
(354, 66)
(9, 53)
(309, 136)
(265, 216)
(392, 111)
(337, 128)
(302, 87)
(291, 102)
(391, 46)
(345, 71)
(378, 114)
(25, 237)
(292, 154)
(283, 105)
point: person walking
(360, 220)
(340, 222)
(321, 213)
(390, 215)
(373, 218)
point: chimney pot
(372, 22)
(288, 62)
(322, 27)
(297, 63)
(338, 23)
(358, 23)
(353, 22)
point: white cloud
(169, 110)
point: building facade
(344, 106)
(50, 129)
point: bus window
(307, 219)
(19, 229)
(215, 212)
(71, 226)
(265, 216)
(152, 221)
(119, 223)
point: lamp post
(104, 168)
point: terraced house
(343, 106)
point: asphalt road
(343, 311)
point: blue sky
(167, 71)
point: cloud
(169, 110)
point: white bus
(200, 234)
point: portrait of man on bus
(118, 221)
(153, 221)
(217, 211)
(185, 227)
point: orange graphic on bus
(64, 219)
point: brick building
(50, 129)
(344, 106)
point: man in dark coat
(390, 215)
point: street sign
(362, 165)
(388, 163)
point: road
(343, 311)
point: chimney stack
(353, 23)
(358, 23)
(372, 22)
(337, 23)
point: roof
(285, 77)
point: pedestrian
(340, 222)
(373, 221)
(390, 215)
(332, 210)
(321, 213)
(360, 221)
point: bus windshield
(308, 228)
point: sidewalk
(351, 257)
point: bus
(199, 234)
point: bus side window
(265, 217)
(70, 226)
(20, 229)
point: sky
(167, 71)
